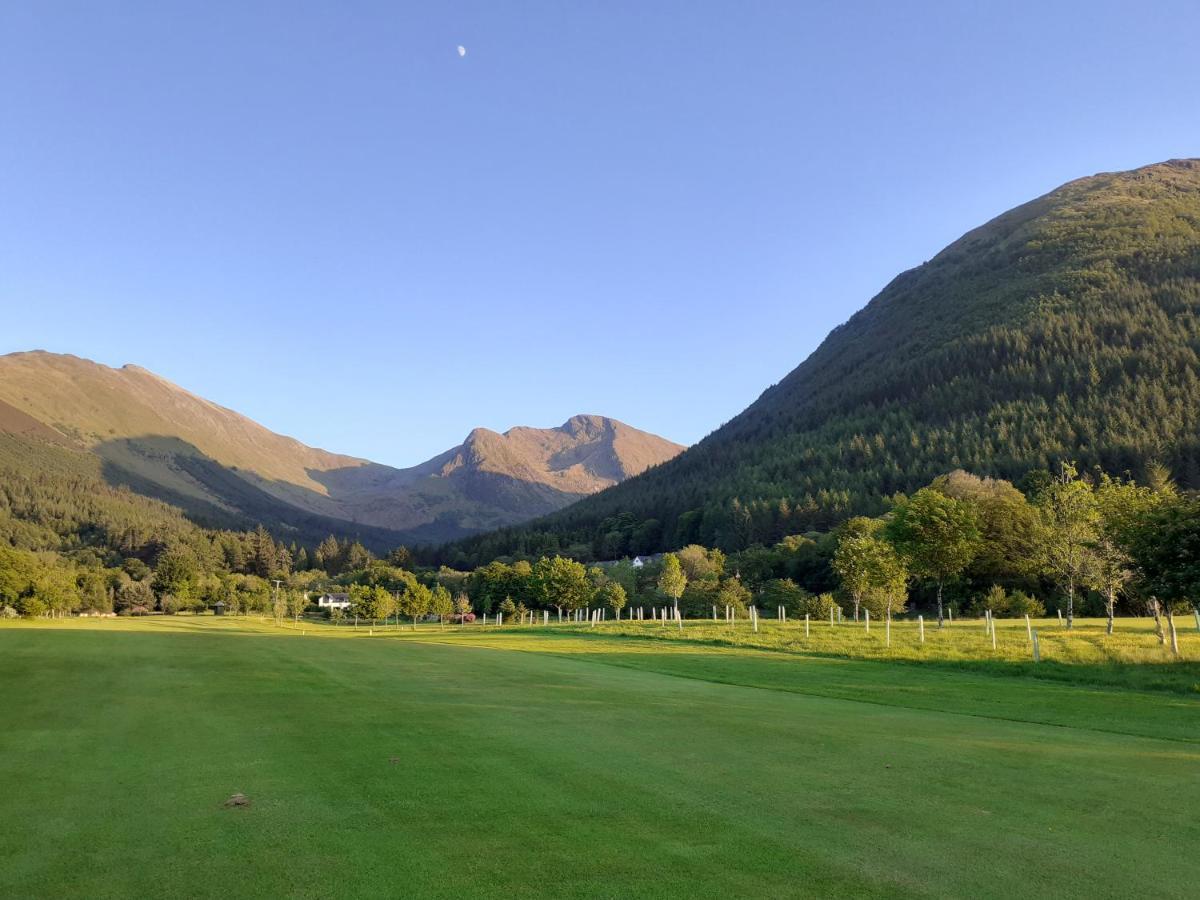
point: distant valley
(226, 470)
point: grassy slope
(527, 773)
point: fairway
(566, 764)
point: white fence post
(921, 623)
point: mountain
(1065, 329)
(228, 471)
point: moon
(462, 51)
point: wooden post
(868, 620)
(1196, 613)
(888, 630)
(714, 612)
(1028, 628)
(921, 625)
(1059, 611)
(831, 617)
(1037, 649)
(993, 636)
(755, 611)
(950, 612)
(806, 624)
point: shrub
(995, 601)
(1004, 605)
(1021, 604)
(818, 606)
(31, 605)
(786, 593)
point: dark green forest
(1063, 330)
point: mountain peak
(168, 442)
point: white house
(637, 562)
(334, 601)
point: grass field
(573, 762)
(1130, 657)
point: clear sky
(325, 217)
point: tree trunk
(1070, 605)
(1112, 602)
(1174, 636)
(856, 604)
(1156, 609)
(939, 604)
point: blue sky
(322, 216)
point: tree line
(1090, 543)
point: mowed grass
(522, 763)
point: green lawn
(561, 763)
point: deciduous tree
(937, 536)
(562, 583)
(672, 580)
(1072, 521)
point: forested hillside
(1065, 329)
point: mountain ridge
(162, 439)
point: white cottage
(334, 601)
